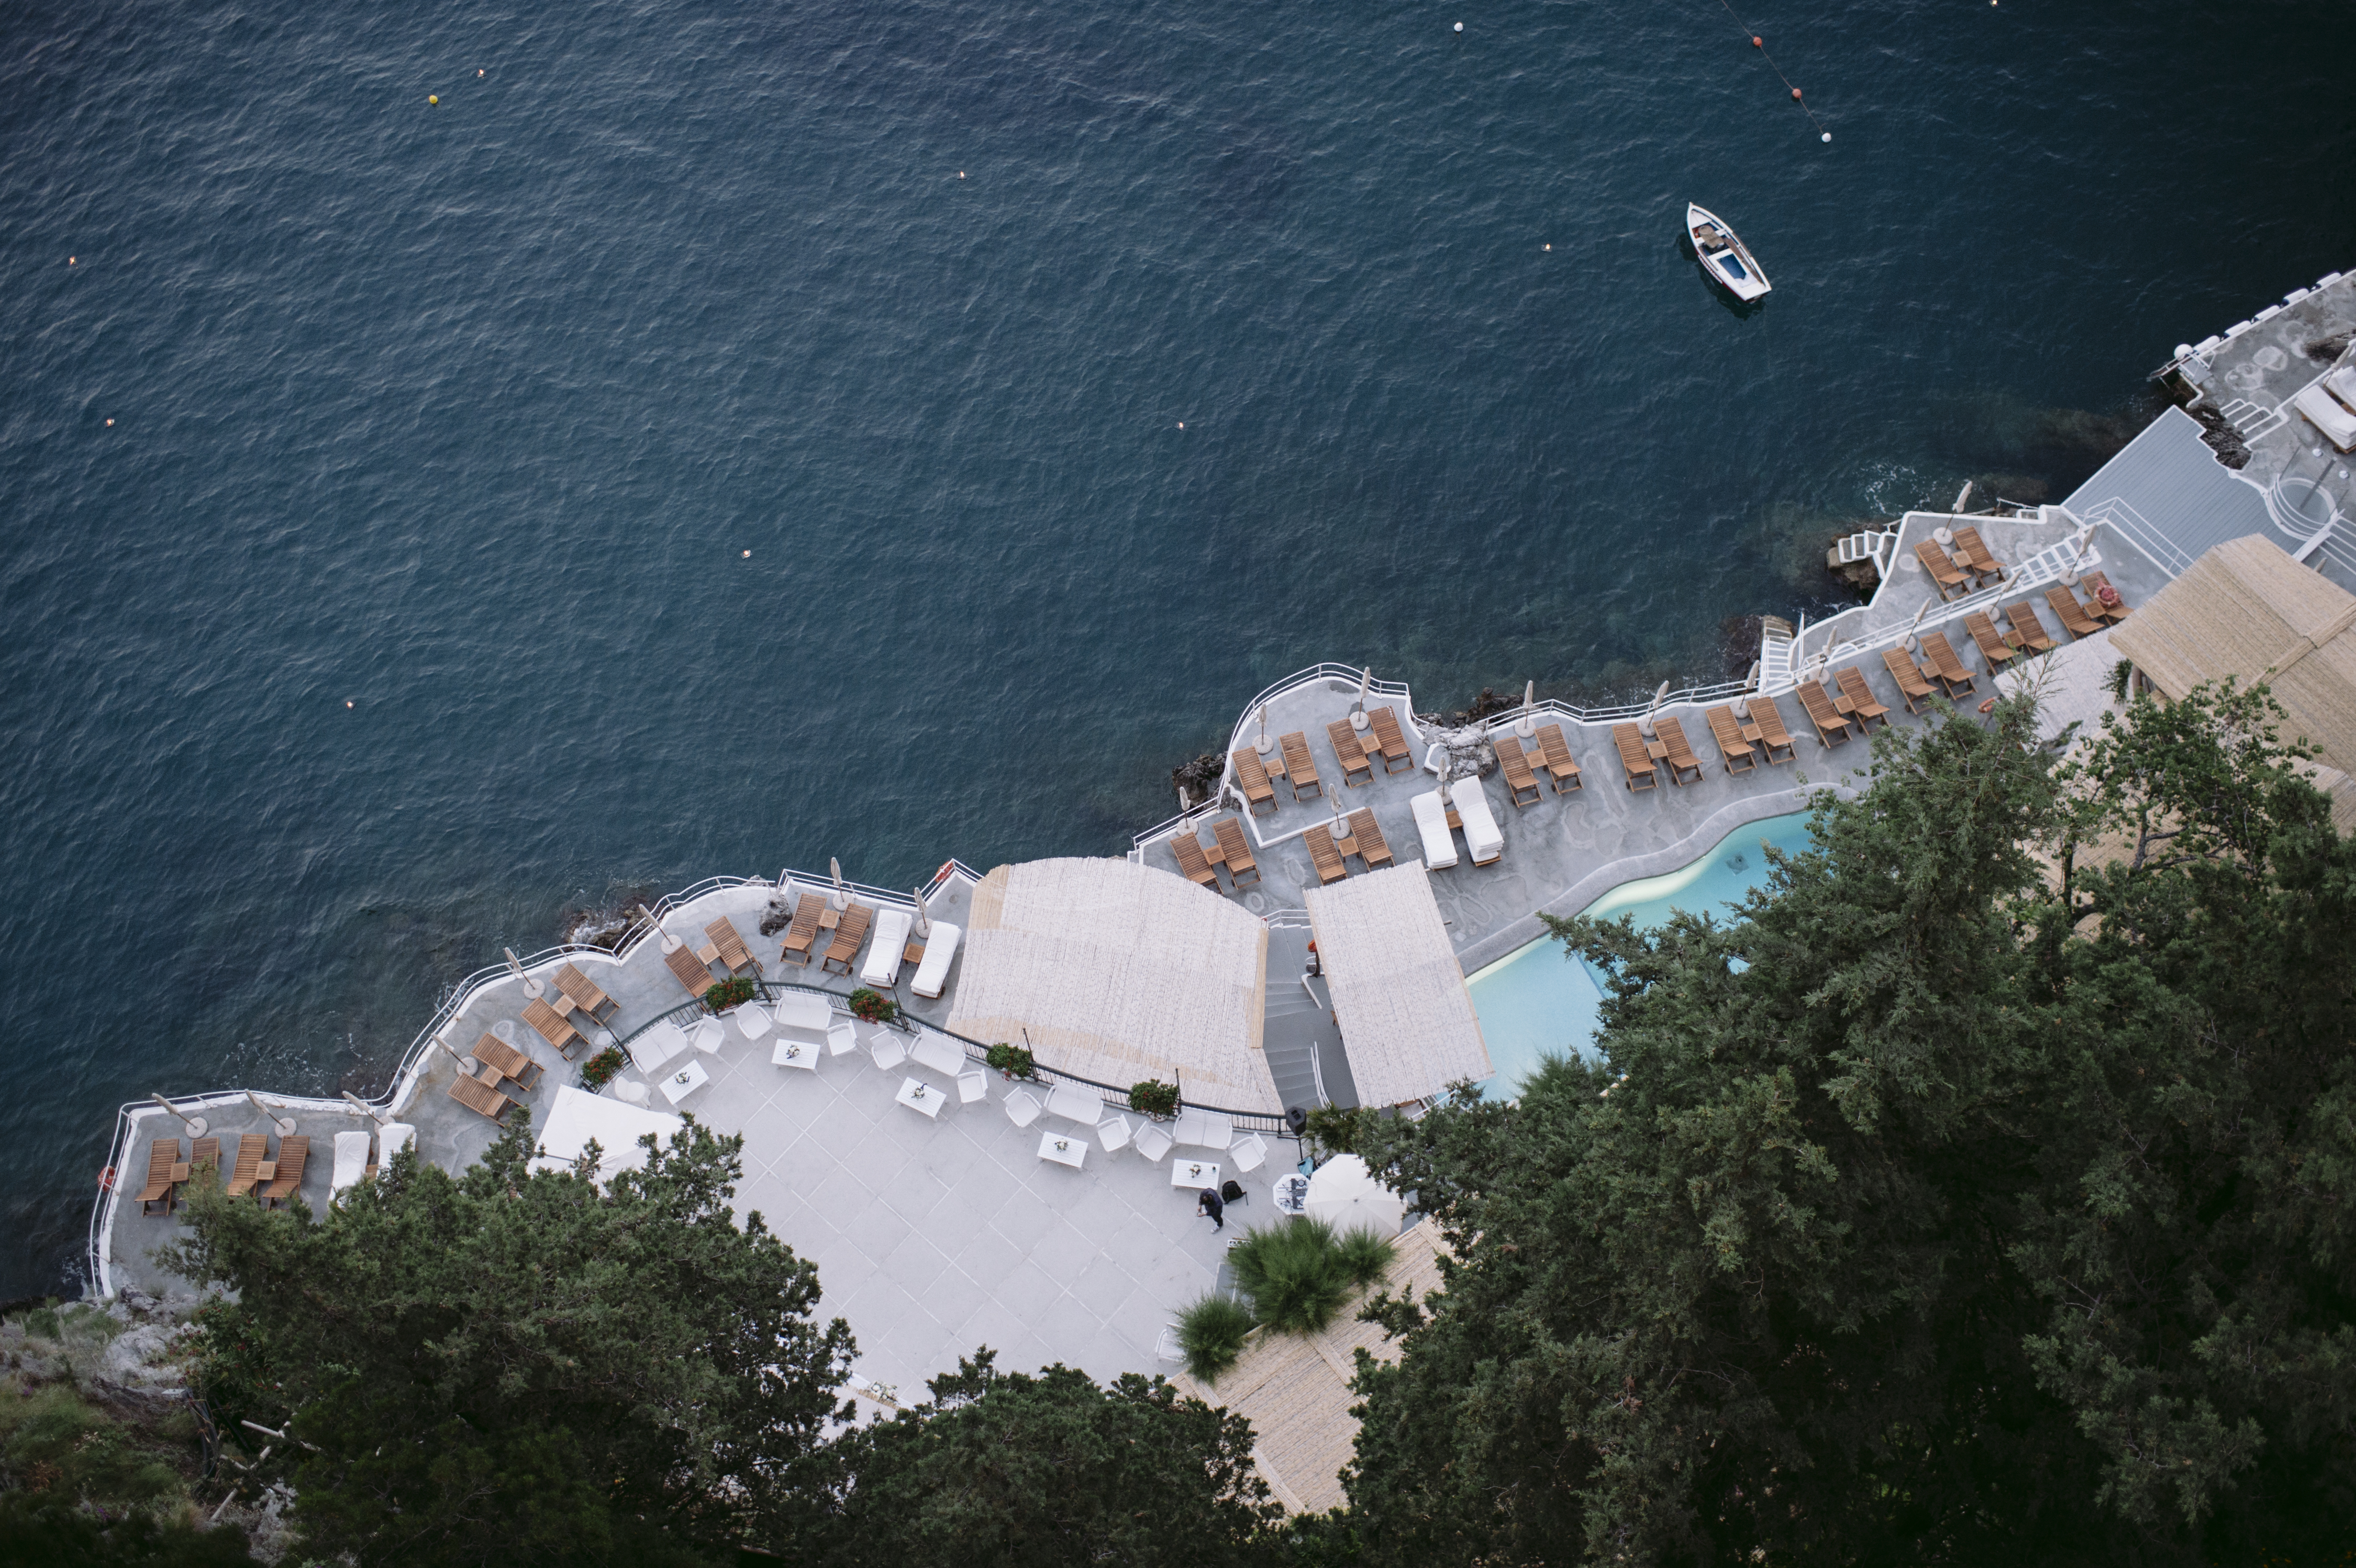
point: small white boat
(1723, 256)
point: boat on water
(1725, 257)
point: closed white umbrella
(284, 1125)
(195, 1125)
(1646, 723)
(1346, 1193)
(364, 1108)
(1358, 709)
(1264, 744)
(923, 919)
(531, 987)
(838, 898)
(1526, 727)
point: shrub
(599, 1070)
(734, 990)
(1365, 1255)
(1154, 1098)
(872, 1008)
(1014, 1061)
(1295, 1273)
(1211, 1333)
(1333, 1127)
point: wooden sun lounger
(2096, 582)
(803, 932)
(1912, 685)
(2027, 631)
(689, 971)
(1252, 780)
(1555, 753)
(1725, 729)
(1517, 766)
(1299, 768)
(1994, 649)
(1230, 834)
(511, 1063)
(1951, 671)
(1672, 734)
(1349, 754)
(584, 992)
(202, 1153)
(848, 938)
(1635, 762)
(1326, 853)
(1832, 725)
(478, 1097)
(1392, 744)
(1191, 863)
(2072, 615)
(734, 954)
(1857, 700)
(1943, 571)
(292, 1153)
(1767, 720)
(250, 1149)
(1975, 555)
(1372, 848)
(162, 1153)
(557, 1029)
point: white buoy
(1460, 27)
(1828, 136)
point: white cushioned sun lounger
(933, 974)
(1481, 839)
(2327, 414)
(884, 950)
(391, 1139)
(1431, 823)
(351, 1163)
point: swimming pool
(1538, 1000)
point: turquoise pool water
(1540, 1001)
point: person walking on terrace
(1208, 1203)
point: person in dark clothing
(1209, 1204)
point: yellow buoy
(431, 99)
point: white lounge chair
(1151, 1141)
(1481, 839)
(887, 1051)
(391, 1139)
(2330, 407)
(884, 950)
(933, 974)
(1431, 826)
(351, 1163)
(1022, 1109)
(1113, 1132)
(1248, 1153)
(973, 1086)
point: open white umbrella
(838, 898)
(1346, 1193)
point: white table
(684, 1083)
(931, 1050)
(1074, 1103)
(921, 1097)
(795, 1054)
(1185, 1172)
(1063, 1148)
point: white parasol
(1526, 727)
(1345, 1194)
(837, 899)
(284, 1125)
(364, 1108)
(1358, 708)
(1646, 723)
(195, 1125)
(531, 987)
(1263, 745)
(923, 919)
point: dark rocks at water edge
(1194, 780)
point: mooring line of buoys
(1761, 45)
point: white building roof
(1406, 1020)
(1118, 972)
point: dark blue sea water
(404, 600)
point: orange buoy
(1757, 42)
(106, 1179)
(1795, 92)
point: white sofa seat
(883, 965)
(1481, 839)
(801, 1016)
(1431, 822)
(933, 974)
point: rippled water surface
(405, 600)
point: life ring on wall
(946, 867)
(106, 1179)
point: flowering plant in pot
(735, 991)
(872, 1008)
(1012, 1061)
(599, 1070)
(1154, 1099)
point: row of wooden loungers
(255, 1173)
(1292, 762)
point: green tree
(1003, 1470)
(52, 1532)
(1934, 1207)
(510, 1366)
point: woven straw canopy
(2248, 610)
(1119, 972)
(1398, 992)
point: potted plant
(1012, 1061)
(1155, 1100)
(599, 1070)
(872, 1008)
(733, 991)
